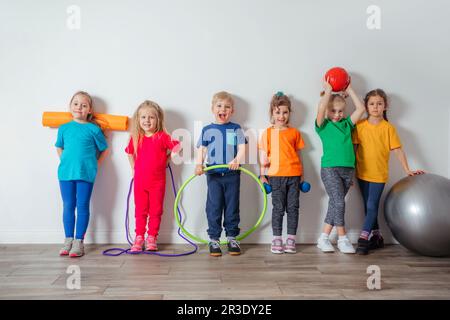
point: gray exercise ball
(417, 210)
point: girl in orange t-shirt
(374, 138)
(279, 154)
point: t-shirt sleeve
(350, 122)
(355, 137)
(60, 139)
(171, 144)
(201, 140)
(130, 147)
(263, 142)
(100, 140)
(299, 144)
(324, 123)
(240, 136)
(394, 139)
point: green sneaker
(77, 248)
(66, 248)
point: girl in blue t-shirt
(81, 147)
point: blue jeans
(76, 194)
(223, 198)
(371, 193)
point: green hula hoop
(240, 237)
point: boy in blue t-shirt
(224, 143)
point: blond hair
(137, 133)
(222, 95)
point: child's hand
(327, 86)
(199, 170)
(263, 179)
(414, 173)
(234, 164)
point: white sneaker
(345, 246)
(325, 245)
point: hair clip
(279, 94)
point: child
(224, 142)
(77, 145)
(278, 151)
(148, 151)
(374, 139)
(338, 161)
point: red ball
(338, 78)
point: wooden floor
(37, 272)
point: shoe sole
(362, 253)
(76, 255)
(290, 251)
(326, 251)
(64, 253)
(215, 254)
(234, 253)
(277, 251)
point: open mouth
(222, 116)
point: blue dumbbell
(268, 188)
(305, 186)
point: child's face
(148, 120)
(336, 111)
(80, 107)
(222, 110)
(280, 116)
(376, 106)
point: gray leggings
(285, 197)
(337, 182)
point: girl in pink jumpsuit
(148, 151)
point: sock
(291, 236)
(376, 233)
(231, 238)
(213, 240)
(324, 235)
(276, 237)
(364, 235)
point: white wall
(179, 53)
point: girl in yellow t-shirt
(279, 153)
(374, 138)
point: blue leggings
(371, 193)
(76, 194)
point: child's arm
(360, 109)
(131, 160)
(102, 157)
(300, 156)
(59, 151)
(323, 104)
(234, 164)
(201, 154)
(263, 164)
(401, 156)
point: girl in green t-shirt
(338, 160)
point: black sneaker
(376, 242)
(233, 247)
(363, 246)
(214, 249)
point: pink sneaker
(138, 244)
(290, 246)
(150, 244)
